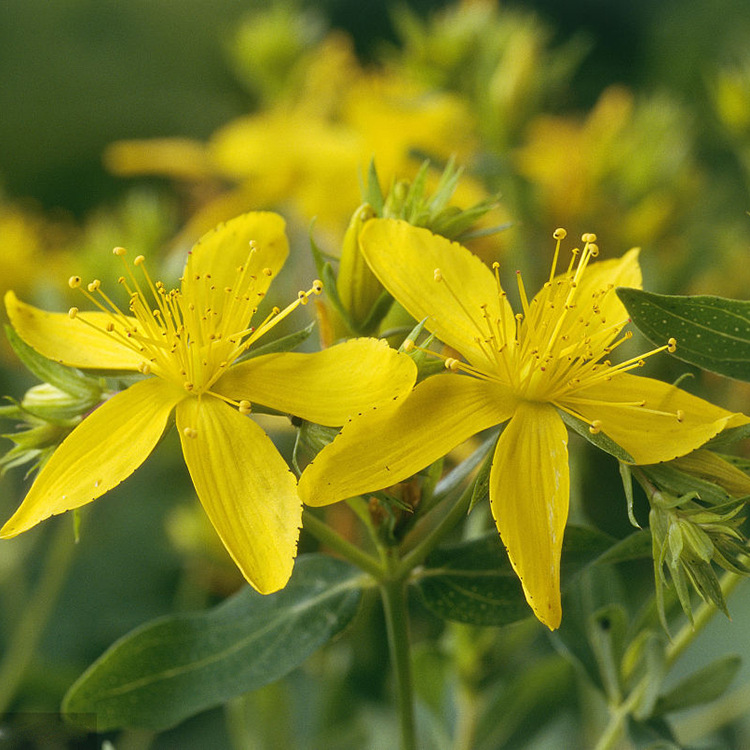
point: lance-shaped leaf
(176, 666)
(473, 582)
(703, 686)
(711, 332)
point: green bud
(48, 402)
(357, 286)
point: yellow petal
(653, 432)
(390, 443)
(597, 306)
(326, 387)
(221, 252)
(245, 487)
(70, 341)
(105, 448)
(404, 258)
(529, 496)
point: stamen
(559, 234)
(522, 292)
(452, 364)
(190, 432)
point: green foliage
(700, 687)
(473, 582)
(711, 332)
(179, 665)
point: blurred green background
(79, 74)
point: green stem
(702, 617)
(393, 593)
(327, 536)
(30, 627)
(688, 633)
(418, 554)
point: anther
(595, 427)
(317, 286)
(244, 407)
(119, 251)
(559, 234)
(437, 274)
(190, 432)
(451, 364)
(144, 368)
(672, 345)
(74, 282)
(593, 249)
(72, 313)
(94, 285)
(680, 415)
(408, 345)
(302, 297)
(139, 260)
(188, 386)
(267, 272)
(588, 237)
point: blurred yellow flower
(305, 150)
(627, 165)
(522, 369)
(187, 343)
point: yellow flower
(187, 342)
(523, 369)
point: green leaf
(283, 344)
(711, 332)
(607, 628)
(374, 193)
(600, 440)
(378, 311)
(481, 491)
(88, 390)
(627, 485)
(636, 546)
(176, 666)
(703, 686)
(473, 582)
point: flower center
(561, 341)
(189, 336)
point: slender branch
(684, 638)
(393, 593)
(703, 616)
(327, 536)
(30, 627)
